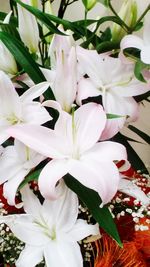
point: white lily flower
(16, 110)
(114, 81)
(142, 44)
(131, 189)
(73, 147)
(28, 27)
(50, 231)
(16, 162)
(7, 61)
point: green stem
(140, 18)
(85, 23)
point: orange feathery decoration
(142, 239)
(110, 254)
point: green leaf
(29, 178)
(133, 157)
(139, 67)
(107, 46)
(11, 29)
(143, 135)
(25, 60)
(22, 56)
(13, 20)
(92, 200)
(113, 116)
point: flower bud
(48, 10)
(7, 61)
(34, 3)
(28, 27)
(128, 13)
(89, 4)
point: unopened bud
(89, 4)
(128, 13)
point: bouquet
(73, 191)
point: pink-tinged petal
(50, 175)
(106, 151)
(9, 99)
(8, 63)
(81, 230)
(64, 126)
(131, 108)
(103, 177)
(3, 134)
(41, 139)
(112, 127)
(133, 88)
(61, 214)
(66, 254)
(11, 186)
(131, 189)
(35, 113)
(34, 92)
(9, 163)
(50, 75)
(89, 122)
(65, 85)
(131, 41)
(28, 28)
(146, 35)
(27, 157)
(23, 228)
(30, 256)
(31, 203)
(52, 104)
(90, 61)
(122, 106)
(145, 54)
(86, 89)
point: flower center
(51, 233)
(13, 119)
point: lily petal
(90, 62)
(86, 89)
(41, 139)
(131, 41)
(30, 257)
(10, 165)
(145, 54)
(26, 20)
(63, 216)
(89, 121)
(34, 92)
(31, 203)
(82, 230)
(63, 254)
(11, 186)
(9, 99)
(106, 152)
(50, 175)
(35, 113)
(23, 227)
(101, 177)
(3, 134)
